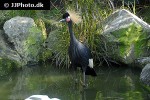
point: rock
(8, 57)
(145, 75)
(122, 19)
(25, 38)
(143, 61)
(129, 34)
(6, 49)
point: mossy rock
(33, 42)
(132, 43)
(45, 55)
(30, 37)
(7, 66)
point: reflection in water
(89, 94)
(110, 84)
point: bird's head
(65, 17)
(71, 16)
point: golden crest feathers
(75, 17)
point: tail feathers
(90, 71)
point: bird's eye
(69, 17)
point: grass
(93, 13)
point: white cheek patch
(69, 17)
(90, 63)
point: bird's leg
(84, 79)
(83, 94)
(75, 76)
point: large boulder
(145, 75)
(129, 34)
(6, 49)
(8, 58)
(25, 39)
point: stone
(143, 61)
(129, 33)
(145, 75)
(9, 59)
(25, 38)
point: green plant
(92, 13)
(23, 13)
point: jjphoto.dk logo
(22, 5)
(6, 5)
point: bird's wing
(84, 54)
(84, 50)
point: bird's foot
(76, 81)
(75, 84)
(83, 84)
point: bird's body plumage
(79, 54)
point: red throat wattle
(67, 19)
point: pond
(112, 83)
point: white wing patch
(90, 63)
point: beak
(62, 20)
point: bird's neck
(72, 36)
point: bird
(79, 54)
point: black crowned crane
(79, 54)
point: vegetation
(88, 31)
(119, 84)
(93, 13)
(32, 44)
(133, 35)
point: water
(112, 83)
